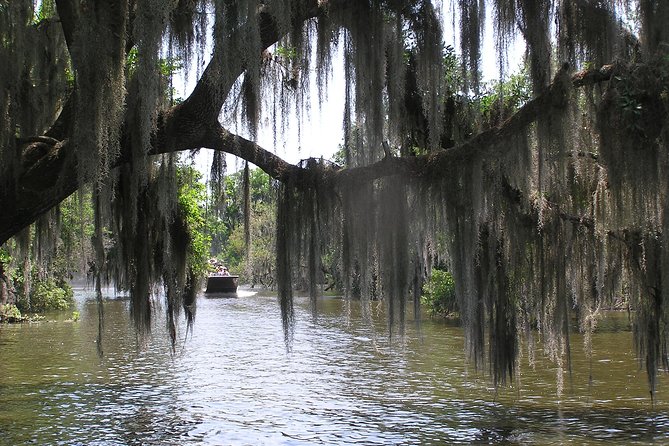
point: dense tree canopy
(547, 208)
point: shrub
(439, 294)
(9, 313)
(48, 295)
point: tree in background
(439, 294)
(38, 281)
(192, 195)
(255, 263)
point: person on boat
(225, 271)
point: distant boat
(218, 283)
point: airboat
(220, 283)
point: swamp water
(232, 382)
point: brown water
(344, 382)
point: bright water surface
(344, 382)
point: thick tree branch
(227, 64)
(438, 163)
(68, 12)
(42, 185)
(555, 96)
(595, 75)
(38, 139)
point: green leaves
(192, 199)
(227, 228)
(47, 9)
(167, 66)
(5, 258)
(49, 295)
(502, 98)
(10, 313)
(286, 52)
(439, 294)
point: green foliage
(339, 157)
(233, 252)
(642, 96)
(5, 258)
(224, 223)
(500, 99)
(192, 200)
(344, 159)
(167, 66)
(48, 295)
(76, 231)
(47, 279)
(69, 76)
(588, 65)
(47, 9)
(631, 104)
(10, 313)
(76, 316)
(262, 189)
(439, 294)
(452, 69)
(286, 52)
(46, 282)
(131, 60)
(260, 266)
(227, 228)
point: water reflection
(343, 382)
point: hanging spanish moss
(471, 29)
(591, 31)
(33, 83)
(247, 210)
(217, 183)
(511, 212)
(188, 26)
(284, 265)
(393, 249)
(98, 59)
(162, 255)
(146, 76)
(98, 264)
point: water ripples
(343, 381)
